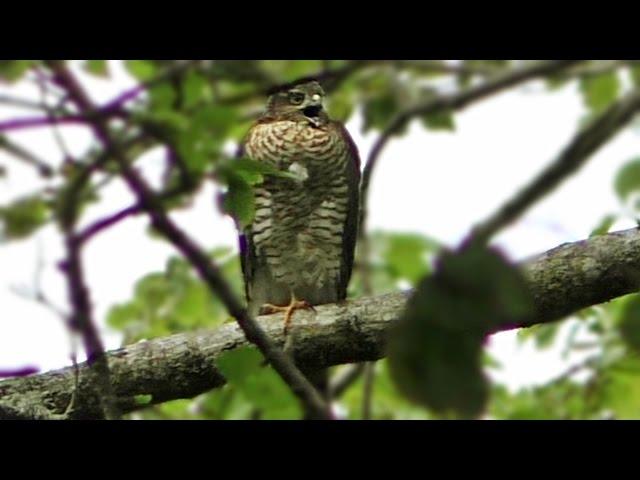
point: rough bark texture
(562, 280)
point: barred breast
(298, 226)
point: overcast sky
(434, 183)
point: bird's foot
(288, 311)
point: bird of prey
(298, 251)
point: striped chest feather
(299, 223)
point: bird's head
(299, 102)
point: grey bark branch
(562, 280)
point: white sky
(434, 183)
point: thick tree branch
(563, 280)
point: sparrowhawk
(299, 249)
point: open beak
(313, 108)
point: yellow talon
(288, 310)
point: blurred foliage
(174, 300)
(542, 335)
(13, 70)
(627, 183)
(99, 68)
(599, 91)
(22, 217)
(435, 350)
(199, 111)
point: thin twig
(99, 225)
(344, 379)
(22, 103)
(298, 383)
(367, 389)
(43, 85)
(19, 152)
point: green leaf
(464, 79)
(627, 180)
(241, 175)
(163, 97)
(542, 335)
(405, 256)
(629, 323)
(620, 385)
(262, 386)
(97, 67)
(164, 120)
(291, 70)
(435, 350)
(237, 365)
(171, 301)
(13, 70)
(546, 334)
(557, 81)
(600, 90)
(604, 226)
(120, 316)
(395, 258)
(439, 121)
(215, 119)
(558, 400)
(439, 369)
(635, 74)
(143, 399)
(341, 105)
(378, 111)
(196, 89)
(23, 217)
(239, 200)
(387, 403)
(252, 171)
(141, 69)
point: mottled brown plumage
(302, 239)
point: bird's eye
(296, 98)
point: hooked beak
(312, 110)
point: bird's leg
(288, 310)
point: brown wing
(245, 243)
(353, 211)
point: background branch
(452, 102)
(44, 169)
(585, 143)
